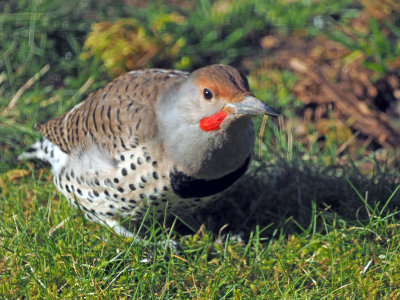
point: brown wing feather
(117, 117)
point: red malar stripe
(212, 122)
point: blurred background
(330, 68)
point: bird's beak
(251, 106)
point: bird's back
(118, 117)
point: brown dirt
(326, 81)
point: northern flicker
(150, 137)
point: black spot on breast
(124, 172)
(187, 187)
(116, 180)
(147, 156)
(132, 187)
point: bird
(155, 139)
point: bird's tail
(46, 151)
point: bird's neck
(208, 154)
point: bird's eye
(207, 94)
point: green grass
(305, 222)
(331, 257)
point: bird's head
(205, 121)
(216, 95)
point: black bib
(189, 187)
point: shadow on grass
(286, 197)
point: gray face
(217, 149)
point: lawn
(315, 217)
